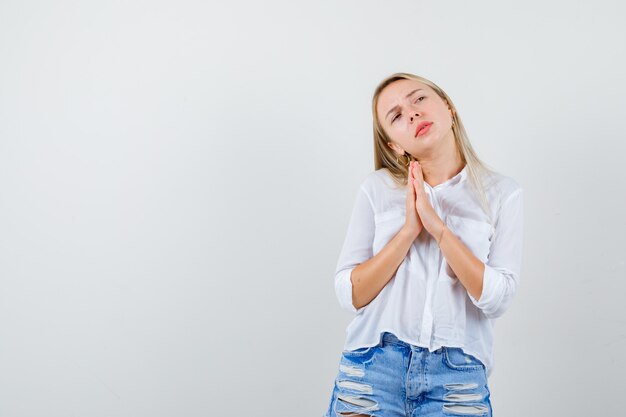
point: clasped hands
(420, 213)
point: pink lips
(422, 128)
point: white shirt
(424, 304)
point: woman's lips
(423, 130)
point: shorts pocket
(455, 358)
(360, 355)
(358, 351)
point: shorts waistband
(390, 338)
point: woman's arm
(491, 285)
(370, 277)
(360, 276)
(467, 267)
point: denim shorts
(396, 379)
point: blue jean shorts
(396, 379)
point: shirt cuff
(490, 297)
(343, 289)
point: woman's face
(403, 107)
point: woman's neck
(437, 171)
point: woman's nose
(416, 116)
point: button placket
(433, 249)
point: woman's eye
(399, 115)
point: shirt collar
(458, 178)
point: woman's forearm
(371, 276)
(466, 266)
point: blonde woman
(432, 256)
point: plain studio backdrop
(176, 181)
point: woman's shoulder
(379, 181)
(500, 186)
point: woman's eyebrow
(407, 96)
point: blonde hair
(385, 157)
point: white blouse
(424, 304)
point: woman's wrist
(443, 230)
(410, 231)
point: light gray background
(176, 180)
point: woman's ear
(449, 108)
(451, 111)
(398, 150)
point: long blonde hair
(385, 157)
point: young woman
(432, 256)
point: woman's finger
(411, 193)
(415, 179)
(418, 171)
(418, 175)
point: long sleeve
(357, 248)
(503, 267)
